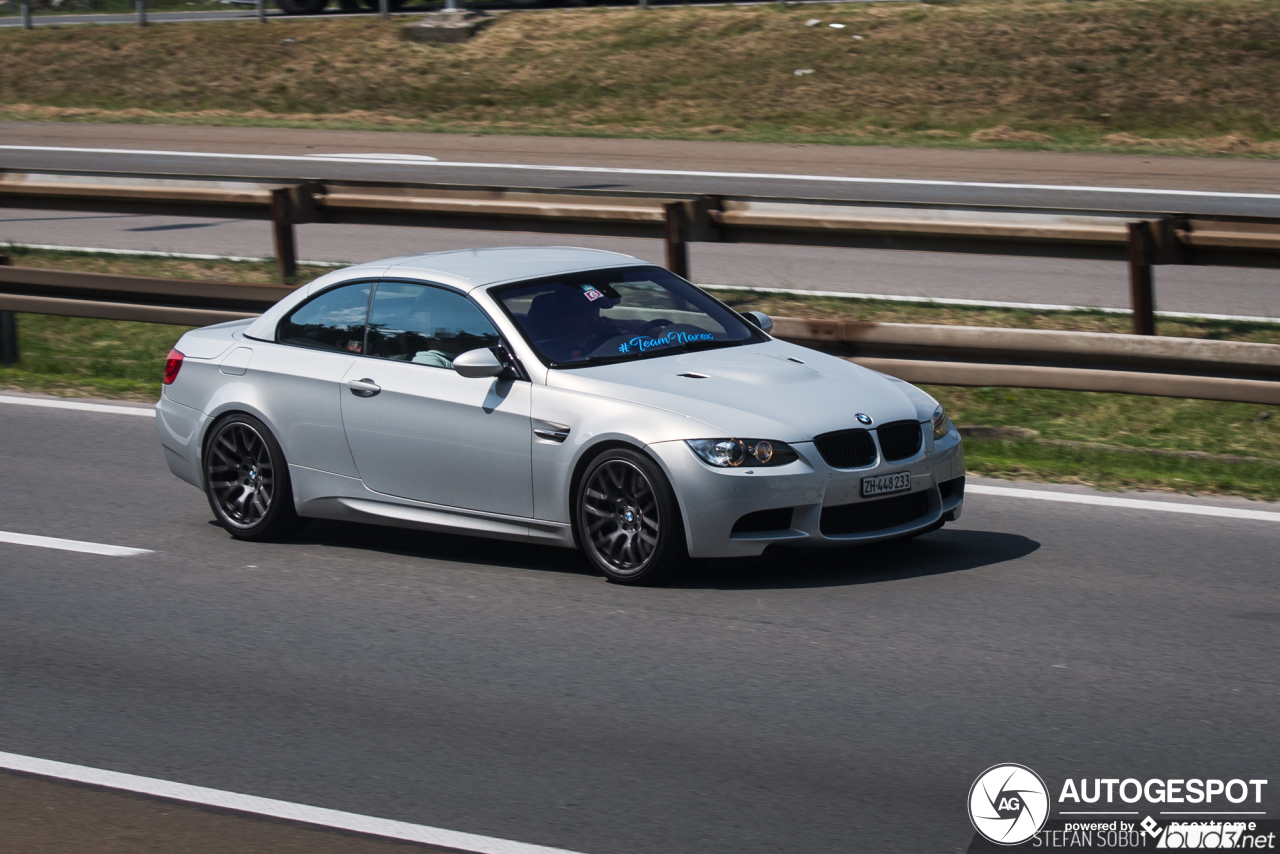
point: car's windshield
(620, 314)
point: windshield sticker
(591, 293)
(643, 343)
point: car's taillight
(172, 365)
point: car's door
(298, 378)
(419, 430)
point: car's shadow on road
(945, 551)
(938, 553)
(407, 542)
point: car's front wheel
(247, 480)
(628, 521)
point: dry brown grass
(250, 272)
(1193, 75)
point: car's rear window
(334, 320)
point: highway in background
(242, 13)
(246, 12)
(916, 175)
(929, 176)
(839, 702)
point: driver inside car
(569, 324)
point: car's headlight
(941, 423)
(732, 453)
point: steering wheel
(654, 324)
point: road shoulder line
(674, 173)
(1124, 503)
(287, 810)
(70, 545)
(108, 409)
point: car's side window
(334, 320)
(425, 325)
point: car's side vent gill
(551, 432)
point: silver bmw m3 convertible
(554, 395)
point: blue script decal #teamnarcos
(643, 343)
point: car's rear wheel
(247, 480)
(628, 521)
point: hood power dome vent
(691, 375)
(794, 359)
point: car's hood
(757, 391)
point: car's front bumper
(713, 500)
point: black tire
(627, 519)
(394, 5)
(302, 7)
(246, 480)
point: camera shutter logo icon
(1008, 804)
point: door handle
(364, 388)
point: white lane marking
(398, 158)
(1125, 503)
(70, 545)
(273, 808)
(145, 412)
(679, 173)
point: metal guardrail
(1236, 371)
(947, 355)
(140, 11)
(1143, 238)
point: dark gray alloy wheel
(247, 480)
(628, 521)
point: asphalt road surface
(841, 702)
(917, 175)
(928, 176)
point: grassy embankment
(1174, 76)
(1110, 440)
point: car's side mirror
(477, 364)
(759, 318)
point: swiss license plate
(885, 483)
